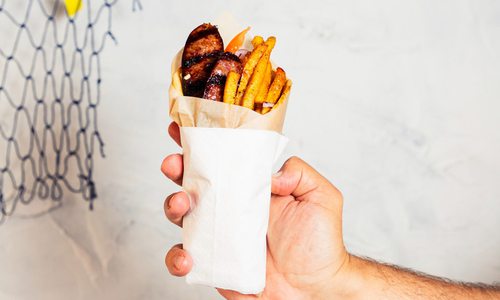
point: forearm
(365, 279)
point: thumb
(303, 182)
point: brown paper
(197, 112)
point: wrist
(348, 281)
(342, 281)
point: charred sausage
(202, 50)
(214, 89)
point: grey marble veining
(396, 102)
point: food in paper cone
(235, 75)
(230, 103)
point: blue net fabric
(50, 80)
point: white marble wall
(397, 102)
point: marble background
(397, 102)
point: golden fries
(231, 87)
(284, 95)
(255, 82)
(258, 75)
(271, 42)
(248, 71)
(257, 40)
(276, 86)
(275, 89)
(258, 87)
(264, 87)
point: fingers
(295, 178)
(173, 131)
(176, 206)
(300, 180)
(173, 167)
(178, 261)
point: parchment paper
(198, 112)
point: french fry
(275, 89)
(257, 40)
(264, 87)
(258, 75)
(284, 95)
(276, 86)
(255, 82)
(248, 70)
(231, 87)
(271, 42)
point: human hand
(305, 249)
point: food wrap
(229, 153)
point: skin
(306, 256)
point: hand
(305, 250)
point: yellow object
(275, 89)
(248, 70)
(264, 87)
(73, 6)
(231, 87)
(257, 40)
(258, 75)
(255, 82)
(276, 86)
(284, 95)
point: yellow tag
(73, 6)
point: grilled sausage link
(214, 89)
(203, 48)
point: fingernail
(278, 174)
(178, 262)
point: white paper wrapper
(229, 153)
(227, 174)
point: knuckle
(292, 161)
(335, 193)
(338, 194)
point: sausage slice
(202, 50)
(214, 89)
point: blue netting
(50, 79)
